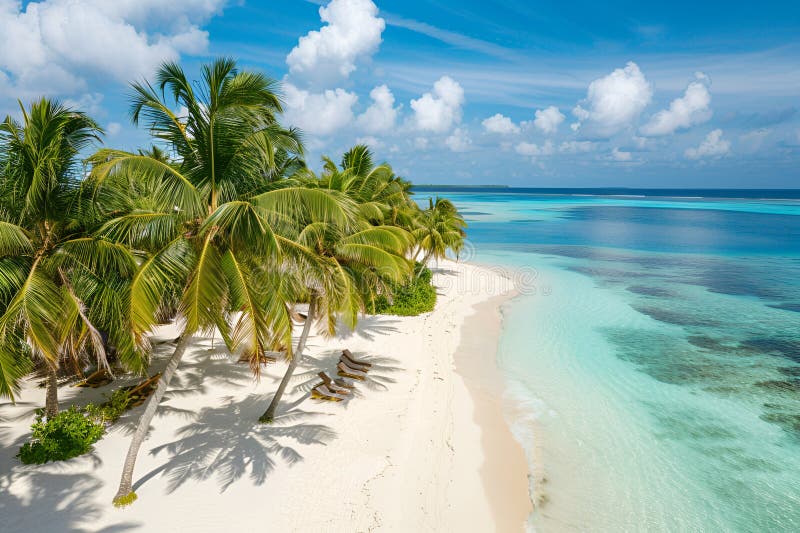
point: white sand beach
(419, 448)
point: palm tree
(359, 261)
(210, 218)
(382, 196)
(58, 284)
(439, 228)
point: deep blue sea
(654, 353)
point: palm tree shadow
(444, 271)
(54, 502)
(226, 443)
(378, 377)
(369, 327)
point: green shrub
(416, 297)
(66, 435)
(110, 411)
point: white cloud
(534, 150)
(440, 109)
(549, 119)
(614, 102)
(318, 113)
(684, 112)
(712, 146)
(752, 140)
(500, 124)
(381, 115)
(89, 103)
(113, 128)
(353, 31)
(421, 143)
(459, 141)
(574, 147)
(370, 141)
(619, 155)
(54, 46)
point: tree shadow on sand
(53, 502)
(227, 443)
(369, 327)
(444, 271)
(378, 377)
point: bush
(66, 435)
(416, 297)
(110, 411)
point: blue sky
(679, 94)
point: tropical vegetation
(68, 434)
(218, 226)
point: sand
(423, 445)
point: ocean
(653, 354)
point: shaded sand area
(418, 448)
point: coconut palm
(58, 284)
(359, 261)
(439, 228)
(382, 196)
(209, 219)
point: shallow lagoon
(655, 355)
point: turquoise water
(655, 356)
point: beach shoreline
(423, 445)
(476, 361)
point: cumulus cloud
(370, 141)
(421, 143)
(712, 146)
(318, 113)
(619, 155)
(684, 112)
(54, 46)
(614, 102)
(500, 124)
(380, 116)
(535, 150)
(548, 120)
(353, 31)
(439, 110)
(459, 141)
(574, 147)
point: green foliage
(124, 501)
(110, 411)
(411, 299)
(69, 434)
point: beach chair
(98, 379)
(347, 355)
(336, 385)
(353, 365)
(348, 372)
(322, 392)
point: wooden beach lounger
(322, 392)
(352, 365)
(349, 372)
(338, 385)
(347, 355)
(139, 393)
(98, 379)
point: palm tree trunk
(269, 414)
(51, 401)
(125, 494)
(424, 263)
